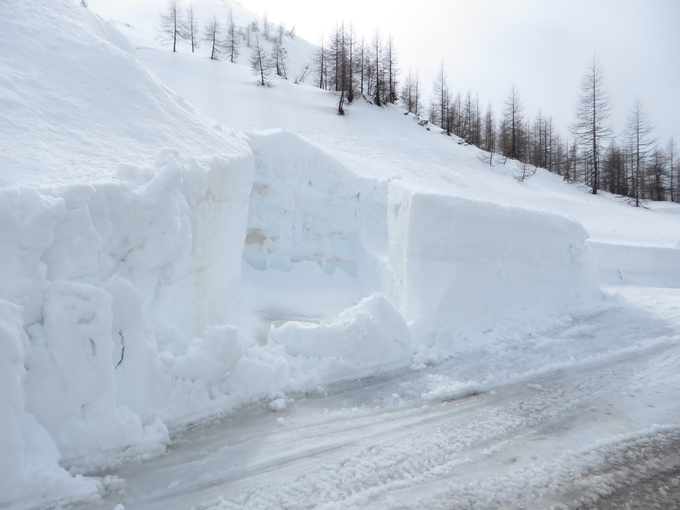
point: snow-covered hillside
(176, 242)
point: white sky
(542, 46)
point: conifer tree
(592, 111)
(260, 63)
(440, 101)
(170, 25)
(377, 69)
(673, 168)
(190, 28)
(391, 69)
(280, 58)
(514, 121)
(211, 35)
(320, 63)
(231, 42)
(639, 132)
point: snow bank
(637, 265)
(107, 275)
(120, 259)
(461, 265)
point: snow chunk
(209, 359)
(277, 405)
(371, 334)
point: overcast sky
(542, 46)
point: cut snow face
(461, 266)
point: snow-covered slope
(158, 266)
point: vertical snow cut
(305, 205)
(460, 265)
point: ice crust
(123, 307)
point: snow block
(70, 386)
(464, 264)
(30, 458)
(637, 265)
(371, 334)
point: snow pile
(371, 336)
(460, 265)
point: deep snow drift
(158, 267)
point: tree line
(630, 164)
(225, 39)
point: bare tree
(362, 59)
(280, 60)
(170, 25)
(410, 93)
(639, 132)
(673, 165)
(514, 119)
(260, 63)
(320, 63)
(440, 101)
(592, 111)
(523, 171)
(350, 45)
(211, 35)
(391, 69)
(190, 28)
(489, 132)
(231, 42)
(376, 43)
(265, 26)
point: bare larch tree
(592, 111)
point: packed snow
(179, 246)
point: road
(582, 414)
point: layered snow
(158, 267)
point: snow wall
(460, 265)
(447, 266)
(637, 265)
(121, 260)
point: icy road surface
(582, 415)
